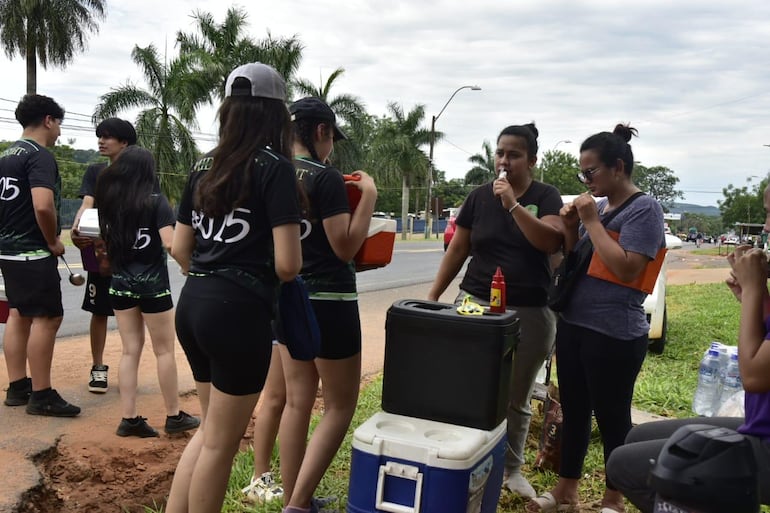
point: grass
(698, 314)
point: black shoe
(52, 405)
(136, 427)
(181, 422)
(19, 397)
(98, 383)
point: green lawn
(698, 314)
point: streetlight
(565, 141)
(430, 156)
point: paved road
(413, 263)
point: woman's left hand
(586, 208)
(503, 190)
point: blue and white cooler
(409, 465)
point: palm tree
(396, 153)
(50, 31)
(484, 166)
(217, 49)
(349, 108)
(163, 126)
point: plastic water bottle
(730, 384)
(708, 382)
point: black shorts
(97, 297)
(225, 333)
(146, 304)
(33, 287)
(340, 326)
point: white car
(655, 303)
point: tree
(217, 49)
(163, 127)
(560, 169)
(453, 192)
(483, 169)
(743, 204)
(396, 154)
(49, 31)
(659, 182)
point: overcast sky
(692, 76)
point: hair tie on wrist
(510, 210)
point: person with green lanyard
(331, 236)
(30, 193)
(512, 222)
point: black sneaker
(181, 422)
(98, 383)
(136, 427)
(19, 397)
(52, 405)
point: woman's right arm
(183, 245)
(453, 260)
(288, 251)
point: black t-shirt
(146, 273)
(496, 240)
(239, 246)
(24, 166)
(324, 273)
(88, 185)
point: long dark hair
(123, 193)
(611, 146)
(304, 131)
(246, 125)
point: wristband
(510, 210)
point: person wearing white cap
(237, 236)
(332, 235)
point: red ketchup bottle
(497, 298)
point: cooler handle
(404, 472)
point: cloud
(690, 75)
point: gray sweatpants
(629, 465)
(537, 326)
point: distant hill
(681, 208)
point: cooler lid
(378, 224)
(447, 312)
(423, 440)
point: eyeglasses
(587, 175)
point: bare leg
(131, 328)
(98, 333)
(228, 416)
(301, 386)
(340, 383)
(269, 410)
(178, 498)
(42, 336)
(15, 341)
(161, 328)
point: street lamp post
(565, 141)
(430, 157)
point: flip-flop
(547, 504)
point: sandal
(547, 503)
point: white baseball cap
(258, 80)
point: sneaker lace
(99, 375)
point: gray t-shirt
(609, 308)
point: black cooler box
(444, 366)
